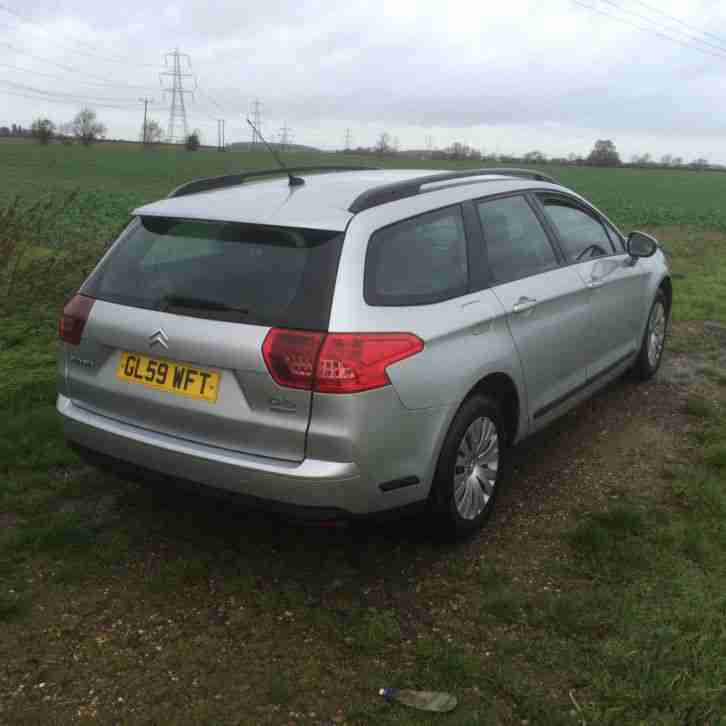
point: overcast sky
(508, 76)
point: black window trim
(621, 239)
(526, 194)
(586, 209)
(374, 301)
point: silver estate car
(349, 341)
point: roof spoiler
(211, 183)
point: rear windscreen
(247, 273)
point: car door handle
(481, 328)
(524, 304)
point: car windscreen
(264, 275)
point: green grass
(114, 178)
(193, 612)
(108, 181)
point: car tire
(469, 472)
(651, 348)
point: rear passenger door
(546, 304)
(615, 285)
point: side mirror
(641, 244)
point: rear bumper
(323, 489)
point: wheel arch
(501, 388)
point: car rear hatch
(178, 313)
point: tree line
(604, 153)
(86, 128)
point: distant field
(114, 178)
(595, 595)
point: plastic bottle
(422, 700)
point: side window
(517, 246)
(582, 235)
(418, 261)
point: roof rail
(230, 180)
(410, 187)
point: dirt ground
(116, 651)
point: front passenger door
(616, 285)
(546, 304)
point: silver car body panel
(248, 415)
(333, 450)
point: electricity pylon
(178, 128)
(257, 121)
(285, 136)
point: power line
(144, 133)
(285, 136)
(71, 69)
(210, 99)
(647, 29)
(662, 26)
(37, 26)
(61, 101)
(103, 84)
(681, 22)
(23, 87)
(221, 143)
(257, 121)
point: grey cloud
(453, 66)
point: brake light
(336, 362)
(290, 356)
(74, 317)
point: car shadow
(224, 530)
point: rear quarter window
(418, 261)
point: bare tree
(65, 133)
(536, 157)
(86, 126)
(43, 129)
(383, 145)
(154, 132)
(642, 160)
(193, 141)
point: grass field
(114, 178)
(596, 595)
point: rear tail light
(291, 355)
(335, 362)
(74, 317)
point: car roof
(321, 203)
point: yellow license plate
(183, 379)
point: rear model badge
(282, 405)
(85, 362)
(159, 338)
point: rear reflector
(335, 362)
(74, 317)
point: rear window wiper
(196, 303)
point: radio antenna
(295, 181)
